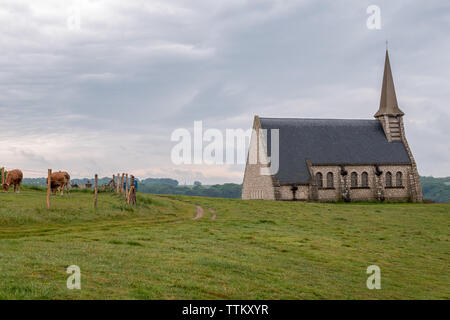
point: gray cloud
(106, 98)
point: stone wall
(414, 178)
(286, 193)
(255, 185)
(360, 193)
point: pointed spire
(388, 102)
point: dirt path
(199, 213)
(214, 214)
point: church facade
(336, 159)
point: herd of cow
(58, 181)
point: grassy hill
(252, 250)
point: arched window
(388, 179)
(330, 183)
(354, 179)
(398, 179)
(364, 179)
(319, 180)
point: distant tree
(228, 190)
(436, 189)
(168, 181)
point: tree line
(435, 189)
(163, 186)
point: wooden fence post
(117, 184)
(95, 191)
(3, 175)
(49, 187)
(121, 183)
(131, 198)
(126, 184)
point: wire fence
(123, 184)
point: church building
(336, 159)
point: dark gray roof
(330, 141)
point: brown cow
(13, 177)
(59, 181)
(67, 175)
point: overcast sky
(106, 97)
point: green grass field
(252, 250)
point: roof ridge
(276, 118)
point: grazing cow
(67, 176)
(59, 181)
(13, 177)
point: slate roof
(330, 141)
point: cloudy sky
(103, 96)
